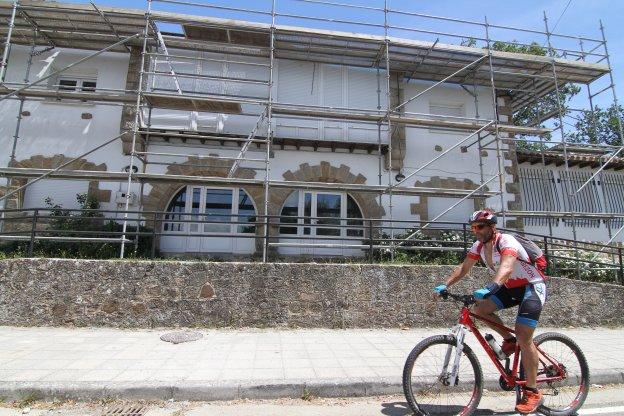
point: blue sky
(581, 18)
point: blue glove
(439, 289)
(487, 291)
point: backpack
(536, 255)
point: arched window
(321, 214)
(211, 210)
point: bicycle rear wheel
(426, 385)
(565, 397)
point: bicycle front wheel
(565, 397)
(427, 385)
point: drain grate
(126, 411)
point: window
(328, 209)
(321, 214)
(211, 210)
(77, 84)
(353, 211)
(290, 209)
(176, 206)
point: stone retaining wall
(36, 292)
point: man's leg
(530, 358)
(528, 316)
(486, 309)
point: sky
(570, 17)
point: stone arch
(161, 193)
(52, 162)
(325, 172)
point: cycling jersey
(523, 271)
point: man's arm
(457, 274)
(460, 271)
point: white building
(328, 104)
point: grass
(28, 400)
(307, 395)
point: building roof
(580, 156)
(93, 28)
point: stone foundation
(40, 292)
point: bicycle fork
(459, 331)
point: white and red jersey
(523, 271)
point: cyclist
(516, 281)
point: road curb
(211, 391)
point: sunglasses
(475, 227)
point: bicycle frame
(466, 322)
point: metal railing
(30, 232)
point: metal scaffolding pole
(499, 159)
(22, 99)
(615, 104)
(388, 111)
(246, 145)
(551, 53)
(135, 128)
(148, 127)
(269, 144)
(7, 43)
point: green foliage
(87, 222)
(514, 47)
(599, 127)
(565, 264)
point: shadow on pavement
(402, 409)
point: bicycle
(446, 385)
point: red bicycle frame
(466, 318)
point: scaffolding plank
(72, 95)
(329, 113)
(220, 181)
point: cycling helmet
(483, 216)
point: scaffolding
(268, 37)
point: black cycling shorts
(531, 299)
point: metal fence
(34, 232)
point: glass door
(327, 208)
(218, 207)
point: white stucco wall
(55, 127)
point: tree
(599, 126)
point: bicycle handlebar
(467, 300)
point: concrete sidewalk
(229, 364)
